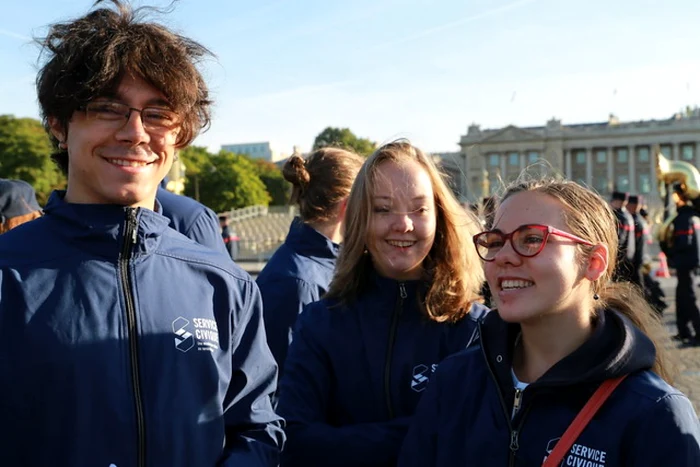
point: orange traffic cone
(662, 271)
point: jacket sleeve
(312, 440)
(283, 301)
(668, 434)
(254, 435)
(205, 230)
(420, 446)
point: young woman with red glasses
(560, 329)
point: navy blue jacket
(625, 234)
(354, 374)
(465, 417)
(192, 219)
(298, 273)
(123, 342)
(685, 250)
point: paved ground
(686, 358)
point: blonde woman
(403, 298)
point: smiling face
(547, 284)
(120, 163)
(403, 221)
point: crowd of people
(128, 336)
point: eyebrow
(156, 101)
(389, 198)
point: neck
(331, 230)
(549, 340)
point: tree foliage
(277, 187)
(227, 181)
(346, 139)
(25, 153)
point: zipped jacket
(123, 343)
(471, 414)
(685, 250)
(355, 373)
(298, 273)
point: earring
(176, 157)
(63, 146)
(596, 296)
(365, 252)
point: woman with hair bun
(300, 271)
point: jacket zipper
(130, 236)
(390, 348)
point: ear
(57, 129)
(597, 262)
(342, 207)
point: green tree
(277, 187)
(25, 153)
(197, 160)
(344, 138)
(230, 182)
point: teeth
(126, 163)
(516, 284)
(400, 244)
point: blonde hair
(321, 181)
(589, 216)
(452, 269)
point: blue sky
(426, 70)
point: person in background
(404, 296)
(641, 233)
(625, 237)
(559, 330)
(17, 204)
(123, 342)
(301, 269)
(229, 239)
(192, 219)
(684, 257)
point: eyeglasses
(156, 119)
(527, 240)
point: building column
(632, 171)
(567, 163)
(504, 166)
(523, 161)
(652, 175)
(675, 149)
(589, 167)
(611, 174)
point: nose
(507, 255)
(133, 130)
(402, 222)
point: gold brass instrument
(668, 173)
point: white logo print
(183, 338)
(420, 378)
(579, 455)
(205, 334)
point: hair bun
(295, 171)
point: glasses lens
(157, 118)
(528, 241)
(488, 244)
(106, 111)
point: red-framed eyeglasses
(527, 240)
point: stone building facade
(606, 156)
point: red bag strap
(582, 418)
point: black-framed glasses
(527, 240)
(157, 119)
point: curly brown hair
(87, 58)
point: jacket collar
(616, 347)
(100, 228)
(307, 241)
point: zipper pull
(517, 402)
(134, 225)
(514, 440)
(402, 290)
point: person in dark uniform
(625, 237)
(640, 240)
(684, 256)
(230, 238)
